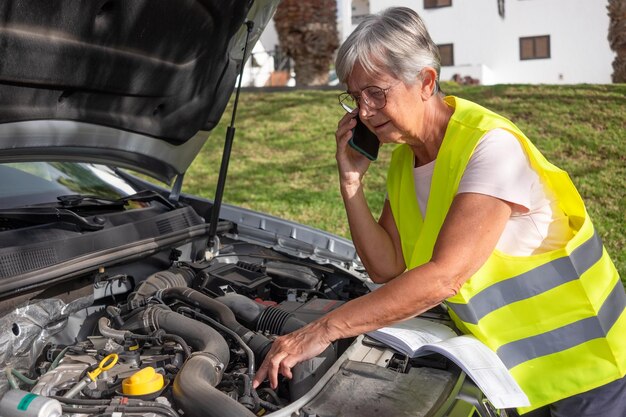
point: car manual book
(418, 336)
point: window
(446, 51)
(431, 4)
(534, 47)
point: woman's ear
(429, 82)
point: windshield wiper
(79, 201)
(73, 203)
(148, 195)
(44, 215)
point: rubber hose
(259, 344)
(259, 317)
(198, 335)
(194, 386)
(196, 396)
(174, 277)
(213, 308)
(104, 326)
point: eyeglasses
(374, 97)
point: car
(120, 296)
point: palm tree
(617, 38)
(307, 32)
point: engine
(182, 339)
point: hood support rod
(228, 144)
(176, 189)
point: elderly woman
(477, 218)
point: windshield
(31, 183)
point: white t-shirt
(500, 168)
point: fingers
(347, 117)
(285, 353)
(345, 126)
(287, 364)
(271, 367)
(260, 375)
(261, 372)
(274, 367)
(273, 363)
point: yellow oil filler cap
(143, 382)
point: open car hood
(127, 83)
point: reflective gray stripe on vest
(536, 281)
(568, 336)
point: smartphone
(364, 140)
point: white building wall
(257, 75)
(486, 46)
(344, 18)
(269, 37)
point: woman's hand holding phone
(364, 140)
(352, 164)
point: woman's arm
(377, 243)
(467, 238)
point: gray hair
(394, 41)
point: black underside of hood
(155, 67)
(133, 83)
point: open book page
(484, 367)
(418, 337)
(408, 336)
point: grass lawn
(283, 155)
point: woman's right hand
(351, 164)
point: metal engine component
(18, 403)
(63, 376)
(200, 329)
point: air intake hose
(259, 317)
(173, 277)
(194, 386)
(259, 344)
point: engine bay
(168, 337)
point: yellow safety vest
(556, 319)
